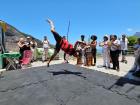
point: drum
(89, 59)
(79, 60)
(89, 56)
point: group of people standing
(83, 47)
(27, 44)
(112, 48)
(31, 45)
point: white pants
(106, 57)
(83, 57)
(45, 54)
(34, 54)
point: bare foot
(51, 24)
(49, 21)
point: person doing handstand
(61, 43)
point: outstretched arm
(51, 25)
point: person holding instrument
(62, 44)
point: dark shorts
(124, 52)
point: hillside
(12, 37)
(137, 34)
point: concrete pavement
(65, 84)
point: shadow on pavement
(67, 72)
(127, 79)
(123, 80)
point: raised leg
(51, 24)
(57, 37)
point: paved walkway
(65, 84)
(124, 68)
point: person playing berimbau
(62, 44)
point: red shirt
(67, 48)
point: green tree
(132, 40)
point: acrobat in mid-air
(62, 44)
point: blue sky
(87, 17)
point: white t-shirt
(113, 47)
(45, 44)
(124, 44)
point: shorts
(124, 52)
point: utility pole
(89, 39)
(68, 30)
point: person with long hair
(22, 47)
